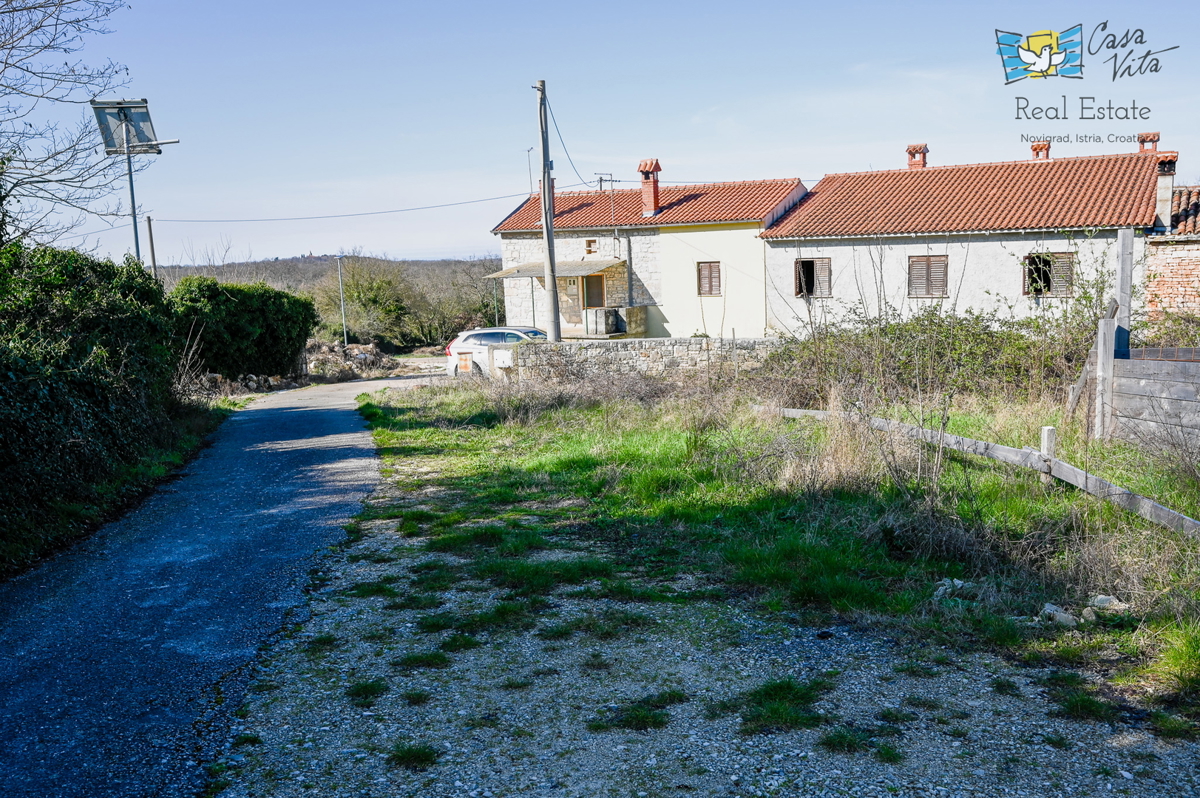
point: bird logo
(1044, 54)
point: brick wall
(1173, 274)
(658, 357)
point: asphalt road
(122, 659)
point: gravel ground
(510, 717)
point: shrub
(242, 329)
(87, 356)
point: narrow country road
(122, 659)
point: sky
(299, 108)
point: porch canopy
(563, 268)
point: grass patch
(423, 659)
(889, 754)
(778, 705)
(416, 698)
(1007, 687)
(845, 740)
(459, 642)
(1057, 741)
(918, 669)
(376, 589)
(415, 601)
(434, 576)
(412, 756)
(322, 644)
(538, 578)
(923, 702)
(1173, 727)
(512, 683)
(643, 714)
(605, 625)
(245, 738)
(895, 716)
(365, 694)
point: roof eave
(604, 227)
(953, 232)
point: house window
(708, 278)
(589, 246)
(814, 277)
(927, 275)
(1049, 273)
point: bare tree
(52, 173)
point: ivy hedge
(242, 329)
(89, 350)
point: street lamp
(126, 129)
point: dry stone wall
(671, 358)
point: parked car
(468, 352)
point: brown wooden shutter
(937, 275)
(716, 279)
(1062, 273)
(918, 275)
(708, 278)
(823, 277)
(702, 284)
(799, 275)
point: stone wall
(1173, 274)
(672, 358)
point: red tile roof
(1062, 193)
(1185, 211)
(749, 201)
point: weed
(414, 601)
(376, 589)
(1080, 705)
(364, 694)
(412, 756)
(889, 754)
(424, 659)
(643, 714)
(537, 578)
(246, 738)
(1173, 727)
(596, 663)
(917, 669)
(783, 704)
(416, 697)
(263, 687)
(1057, 741)
(485, 721)
(431, 624)
(895, 716)
(607, 625)
(845, 740)
(433, 576)
(958, 731)
(923, 702)
(322, 644)
(381, 635)
(1006, 687)
(545, 672)
(459, 642)
(516, 684)
(1104, 770)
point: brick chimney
(1165, 189)
(1041, 150)
(1148, 142)
(650, 169)
(916, 155)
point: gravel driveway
(122, 659)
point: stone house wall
(1173, 274)
(672, 358)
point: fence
(1042, 460)
(673, 358)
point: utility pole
(137, 246)
(342, 295)
(553, 332)
(150, 235)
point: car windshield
(534, 333)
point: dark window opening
(813, 277)
(1048, 274)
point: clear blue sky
(301, 108)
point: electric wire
(564, 146)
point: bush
(87, 355)
(242, 329)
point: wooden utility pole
(1124, 285)
(553, 332)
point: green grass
(416, 697)
(1007, 687)
(376, 589)
(845, 740)
(414, 601)
(423, 659)
(538, 578)
(643, 714)
(776, 706)
(322, 643)
(923, 702)
(365, 694)
(605, 625)
(895, 716)
(459, 642)
(413, 756)
(245, 738)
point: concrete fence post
(1106, 336)
(1049, 439)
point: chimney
(916, 155)
(650, 169)
(1165, 190)
(1041, 150)
(1148, 142)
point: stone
(1106, 603)
(1059, 616)
(1088, 615)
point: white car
(468, 352)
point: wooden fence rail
(1026, 458)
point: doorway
(593, 291)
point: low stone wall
(657, 357)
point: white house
(667, 261)
(1013, 235)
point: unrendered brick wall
(1173, 275)
(672, 358)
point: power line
(564, 146)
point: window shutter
(1062, 273)
(937, 275)
(918, 275)
(708, 279)
(704, 284)
(823, 274)
(716, 278)
(799, 274)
